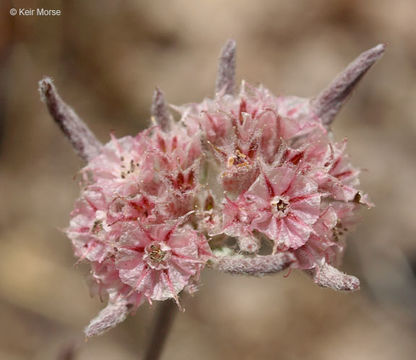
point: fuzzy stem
(254, 266)
(329, 102)
(82, 139)
(226, 69)
(163, 323)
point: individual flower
(160, 260)
(324, 244)
(286, 205)
(238, 217)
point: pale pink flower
(105, 280)
(88, 229)
(159, 261)
(338, 176)
(238, 217)
(324, 244)
(254, 121)
(286, 206)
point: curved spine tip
(329, 102)
(226, 69)
(160, 111)
(84, 142)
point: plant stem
(164, 319)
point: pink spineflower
(161, 260)
(286, 205)
(236, 174)
(88, 229)
(238, 217)
(324, 244)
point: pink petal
(259, 189)
(281, 179)
(306, 208)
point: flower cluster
(246, 183)
(133, 216)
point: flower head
(261, 170)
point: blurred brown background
(106, 57)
